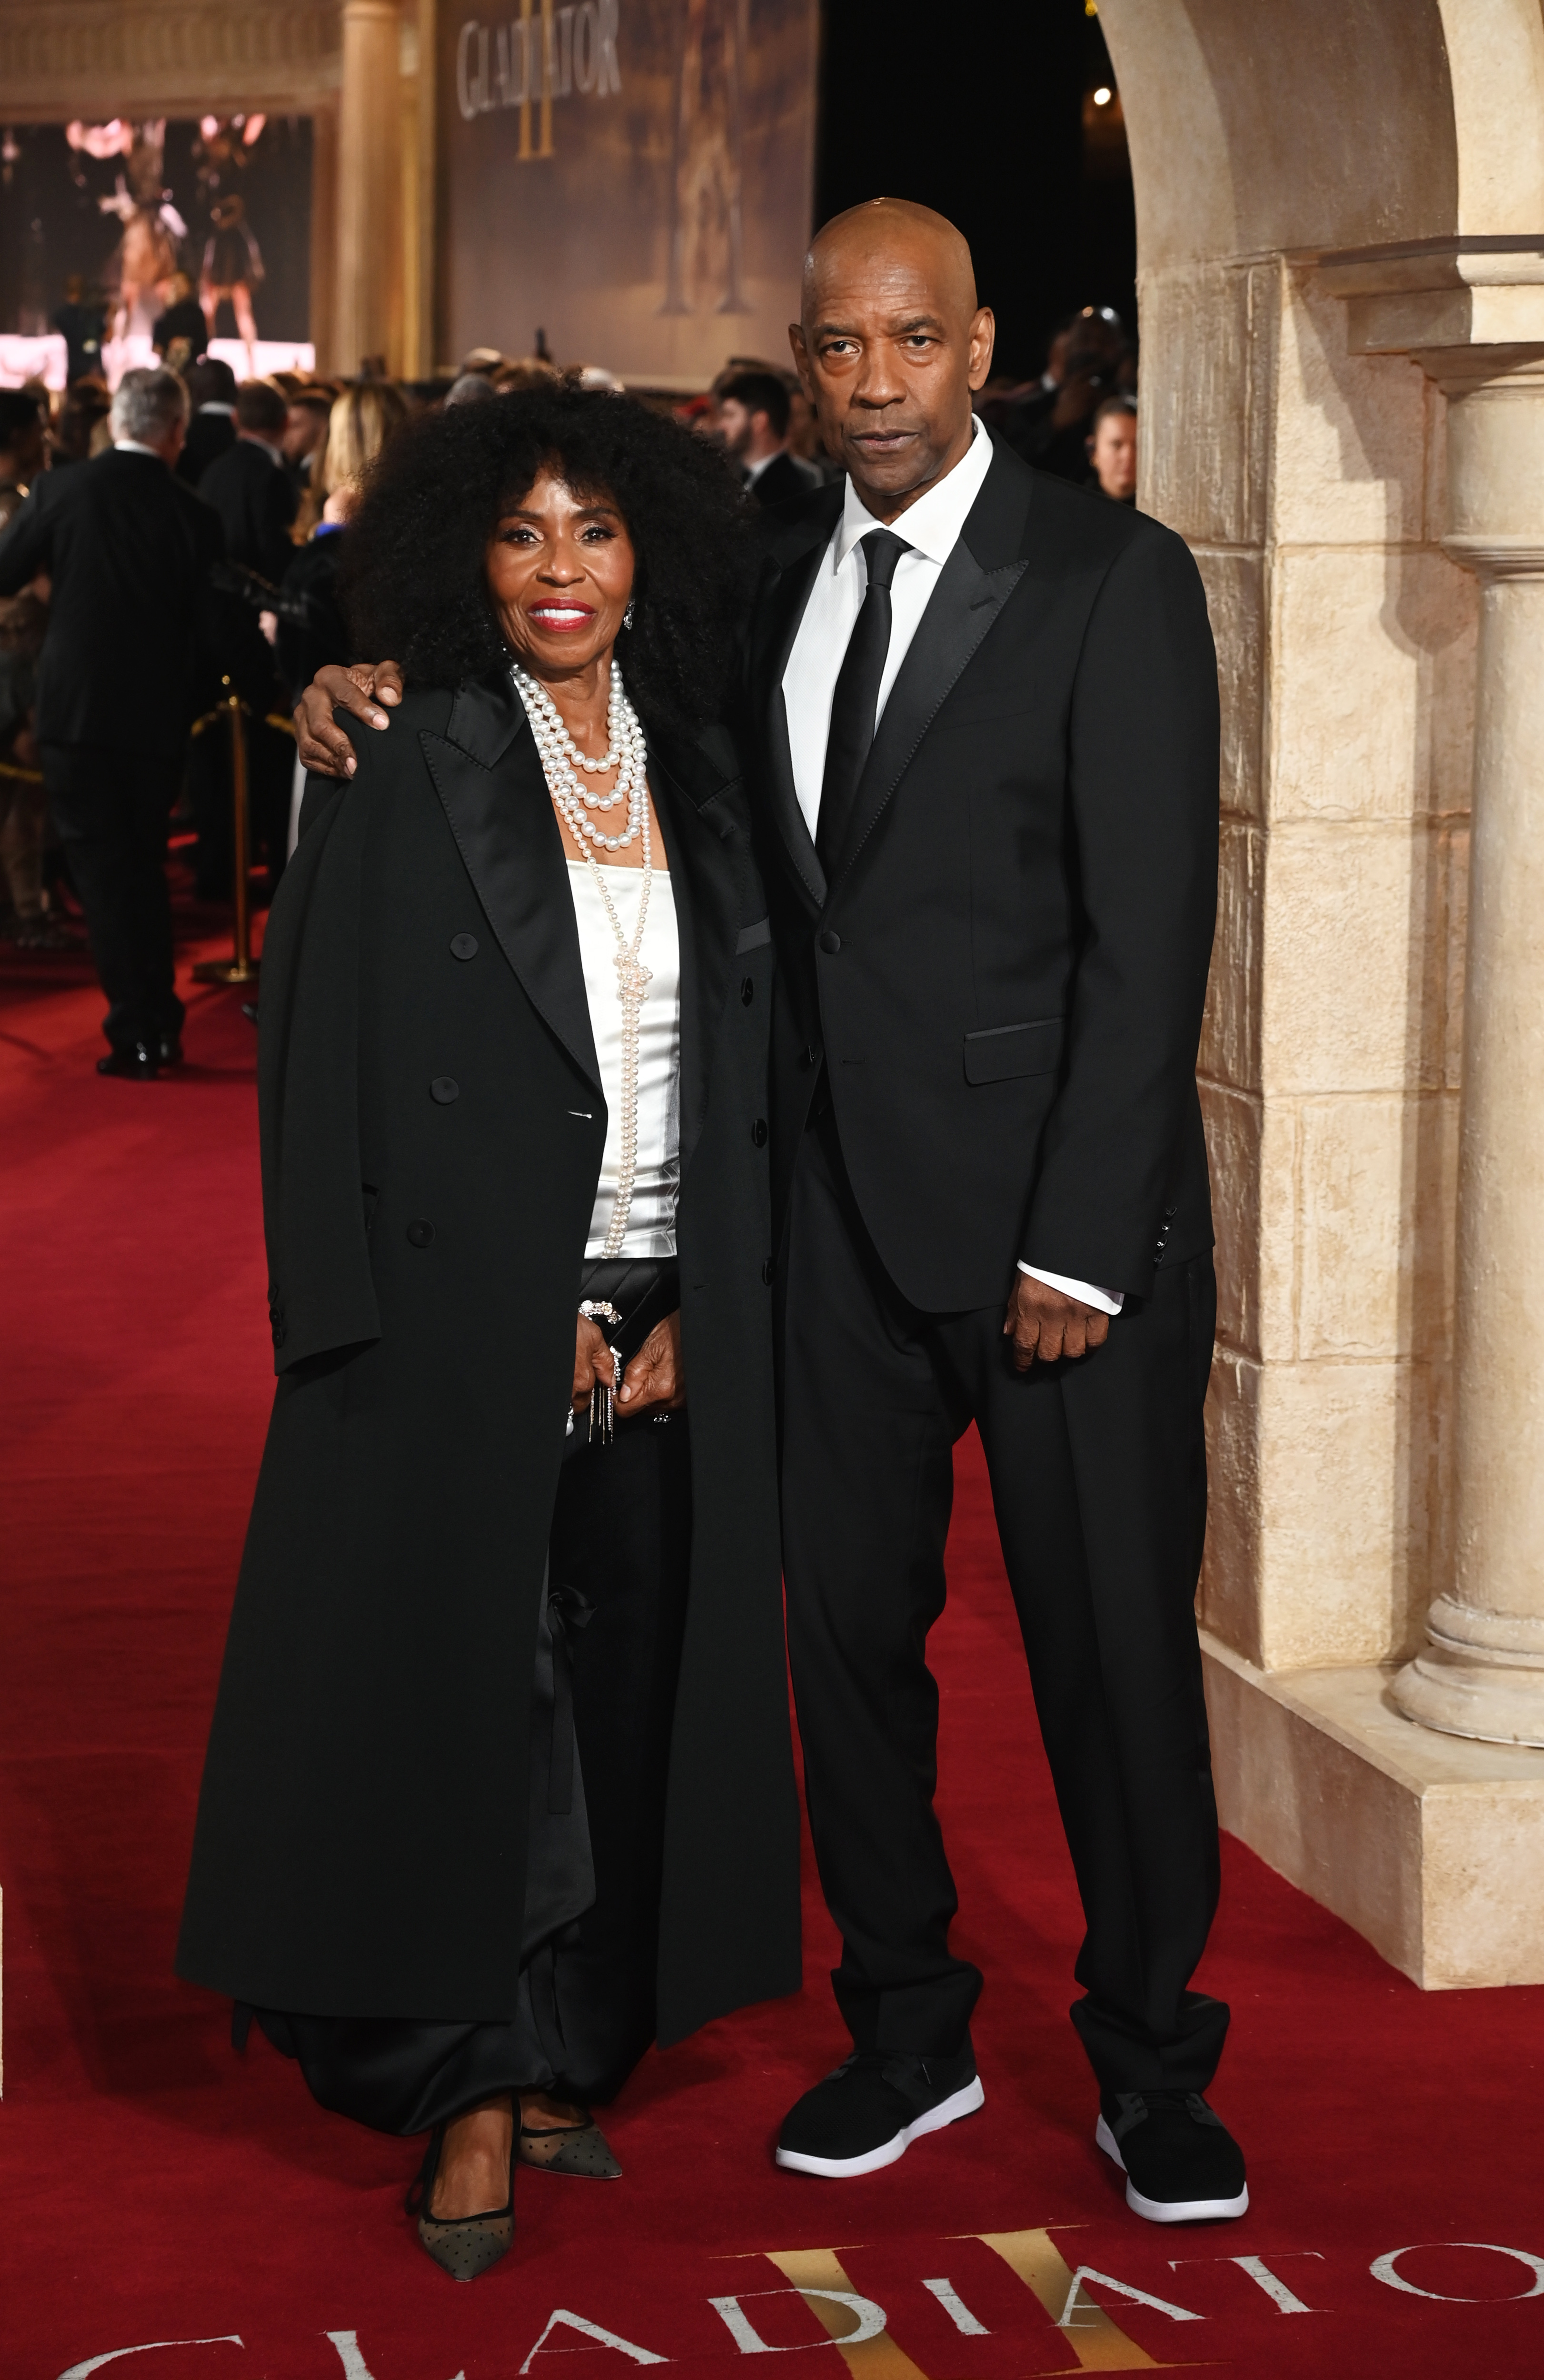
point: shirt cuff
(1107, 1301)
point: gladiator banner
(630, 178)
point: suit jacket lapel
(796, 556)
(705, 872)
(973, 586)
(488, 775)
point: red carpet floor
(156, 2189)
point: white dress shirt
(931, 527)
(657, 1176)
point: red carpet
(158, 2189)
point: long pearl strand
(626, 752)
(629, 755)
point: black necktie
(855, 700)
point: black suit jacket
(209, 434)
(425, 1252)
(256, 501)
(127, 649)
(781, 484)
(1004, 982)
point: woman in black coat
(499, 1786)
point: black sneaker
(870, 2110)
(1181, 2164)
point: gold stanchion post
(242, 967)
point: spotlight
(1103, 95)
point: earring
(627, 614)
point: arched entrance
(1341, 240)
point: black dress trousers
(619, 1559)
(1099, 1485)
(111, 812)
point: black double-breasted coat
(432, 1124)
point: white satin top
(657, 1181)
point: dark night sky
(978, 112)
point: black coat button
(279, 1334)
(806, 1057)
(747, 991)
(444, 1088)
(419, 1235)
(758, 1132)
(767, 1271)
(463, 946)
(1170, 1212)
(831, 942)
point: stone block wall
(1307, 480)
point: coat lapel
(489, 778)
(973, 587)
(706, 868)
(795, 557)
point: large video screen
(630, 178)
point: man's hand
(655, 1375)
(1045, 1323)
(323, 748)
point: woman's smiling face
(559, 571)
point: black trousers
(618, 1567)
(110, 810)
(1098, 1483)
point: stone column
(368, 299)
(1483, 1672)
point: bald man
(984, 717)
(982, 735)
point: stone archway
(1341, 243)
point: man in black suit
(753, 411)
(211, 429)
(249, 486)
(255, 497)
(985, 708)
(128, 550)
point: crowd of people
(280, 462)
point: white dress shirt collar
(136, 446)
(932, 525)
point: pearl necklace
(626, 752)
(629, 755)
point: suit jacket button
(419, 1234)
(758, 1132)
(444, 1088)
(463, 946)
(806, 1057)
(278, 1334)
(831, 942)
(1170, 1212)
(748, 991)
(767, 1271)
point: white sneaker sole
(948, 2111)
(1169, 2210)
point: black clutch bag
(626, 1297)
(630, 1295)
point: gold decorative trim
(64, 59)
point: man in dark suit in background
(249, 486)
(211, 429)
(255, 497)
(128, 550)
(984, 710)
(753, 411)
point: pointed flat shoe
(570, 2148)
(463, 2245)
